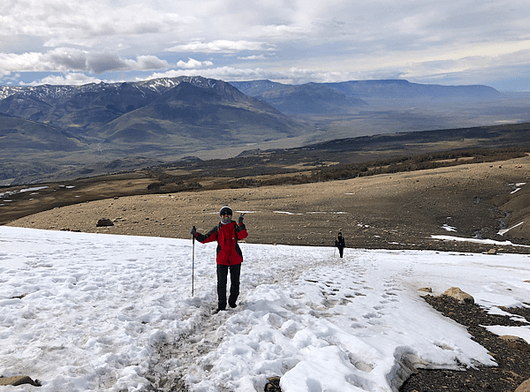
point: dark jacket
(339, 242)
(228, 251)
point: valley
(54, 133)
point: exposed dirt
(397, 211)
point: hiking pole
(193, 264)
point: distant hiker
(339, 243)
(229, 255)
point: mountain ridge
(389, 88)
(172, 118)
(345, 100)
(88, 110)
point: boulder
(18, 380)
(104, 222)
(516, 343)
(273, 385)
(524, 387)
(459, 295)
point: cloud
(293, 75)
(26, 62)
(321, 39)
(102, 62)
(192, 63)
(220, 46)
(68, 59)
(147, 63)
(65, 59)
(98, 24)
(255, 57)
(223, 73)
(72, 79)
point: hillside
(396, 204)
(377, 89)
(308, 99)
(87, 110)
(193, 116)
(18, 135)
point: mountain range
(169, 111)
(317, 98)
(60, 130)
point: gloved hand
(193, 231)
(240, 220)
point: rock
(426, 289)
(155, 186)
(492, 251)
(516, 343)
(273, 384)
(18, 380)
(524, 387)
(459, 295)
(104, 222)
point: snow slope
(115, 313)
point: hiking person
(339, 243)
(229, 255)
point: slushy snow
(115, 313)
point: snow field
(113, 313)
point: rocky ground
(512, 357)
(391, 211)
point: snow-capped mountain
(53, 92)
(95, 111)
(164, 118)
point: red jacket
(228, 251)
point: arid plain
(389, 211)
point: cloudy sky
(447, 42)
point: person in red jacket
(229, 255)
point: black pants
(222, 277)
(341, 250)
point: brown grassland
(397, 203)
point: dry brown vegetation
(394, 203)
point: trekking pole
(193, 264)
